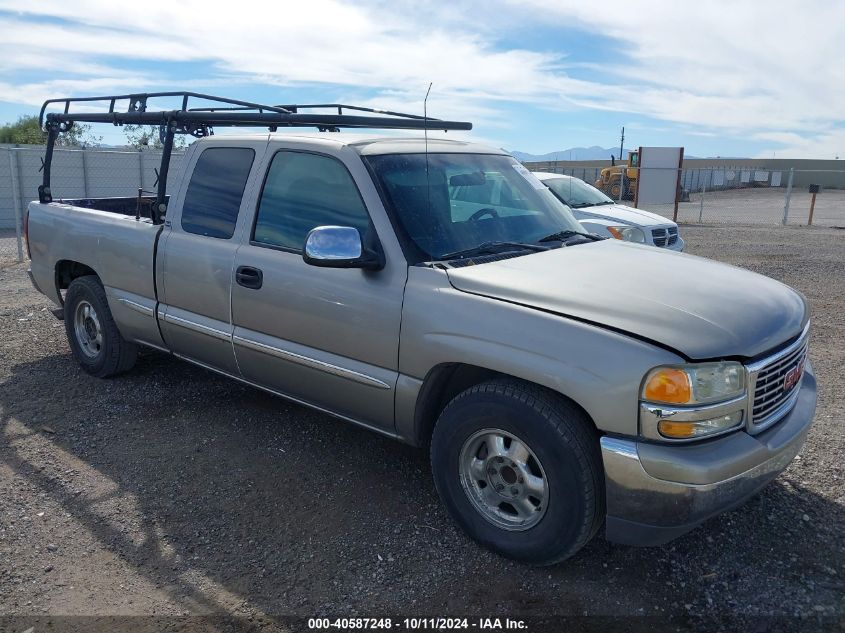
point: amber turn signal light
(669, 385)
(699, 428)
(678, 430)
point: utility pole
(622, 143)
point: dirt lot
(172, 492)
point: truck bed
(130, 205)
(112, 243)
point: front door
(325, 336)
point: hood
(700, 308)
(621, 213)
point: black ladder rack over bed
(216, 111)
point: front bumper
(657, 492)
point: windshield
(467, 200)
(576, 193)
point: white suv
(600, 214)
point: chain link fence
(732, 195)
(758, 196)
(740, 195)
(76, 173)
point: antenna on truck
(199, 121)
(425, 134)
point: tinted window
(303, 191)
(450, 202)
(495, 189)
(215, 191)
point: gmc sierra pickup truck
(561, 381)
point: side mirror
(339, 247)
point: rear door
(200, 245)
(325, 336)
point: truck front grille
(665, 237)
(673, 235)
(777, 382)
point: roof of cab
(367, 145)
(417, 145)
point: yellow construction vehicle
(620, 181)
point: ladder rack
(199, 120)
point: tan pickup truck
(560, 380)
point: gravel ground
(171, 491)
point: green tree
(26, 131)
(147, 137)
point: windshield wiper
(489, 248)
(581, 205)
(562, 236)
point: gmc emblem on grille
(793, 376)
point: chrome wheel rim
(87, 329)
(503, 479)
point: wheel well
(446, 381)
(68, 270)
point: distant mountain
(574, 153)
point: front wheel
(91, 331)
(519, 469)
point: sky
(735, 78)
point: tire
(563, 451)
(92, 333)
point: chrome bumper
(657, 492)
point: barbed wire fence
(76, 173)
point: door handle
(249, 277)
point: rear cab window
(215, 191)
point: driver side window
(303, 191)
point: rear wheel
(92, 333)
(519, 469)
(615, 190)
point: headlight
(627, 233)
(701, 383)
(686, 402)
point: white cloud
(744, 69)
(322, 41)
(827, 144)
(734, 66)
